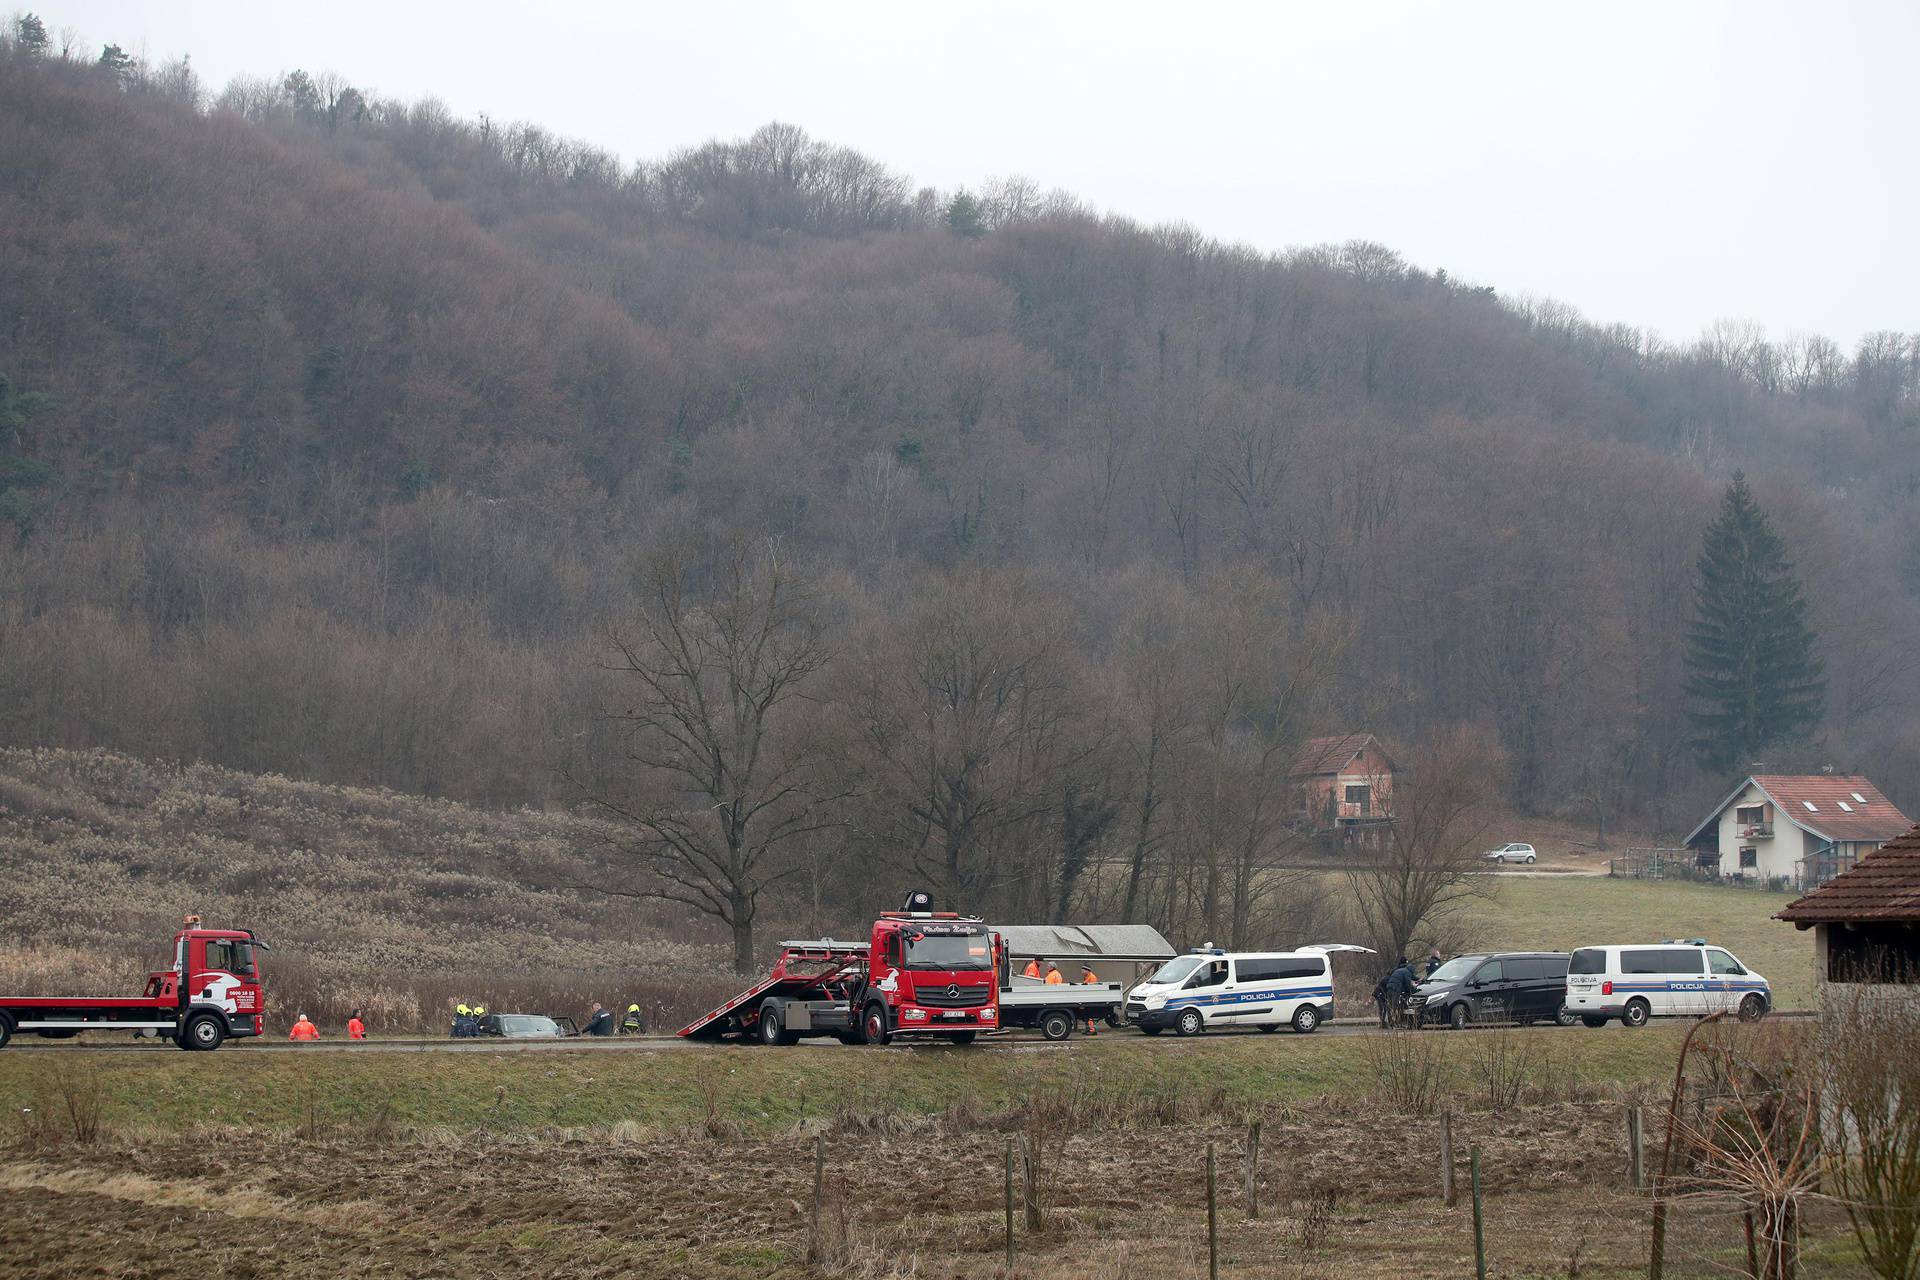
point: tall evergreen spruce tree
(1751, 670)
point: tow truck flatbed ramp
(820, 962)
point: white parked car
(1687, 979)
(1515, 852)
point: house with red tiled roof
(1796, 829)
(1342, 782)
(1866, 920)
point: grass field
(697, 1163)
(1562, 912)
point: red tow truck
(212, 992)
(922, 974)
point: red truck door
(223, 973)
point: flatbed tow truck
(212, 993)
(922, 974)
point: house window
(1359, 795)
(1751, 815)
(1749, 859)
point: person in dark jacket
(599, 1022)
(1433, 962)
(634, 1023)
(1380, 998)
(1399, 987)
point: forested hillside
(347, 439)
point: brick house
(1801, 829)
(1342, 783)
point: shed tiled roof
(1327, 755)
(1835, 814)
(1884, 885)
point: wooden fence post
(1479, 1232)
(1636, 1159)
(1447, 1196)
(1253, 1170)
(1009, 1275)
(819, 1185)
(1213, 1222)
(1030, 1181)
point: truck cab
(929, 971)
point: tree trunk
(742, 920)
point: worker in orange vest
(1033, 967)
(1053, 976)
(303, 1030)
(1088, 978)
(356, 1029)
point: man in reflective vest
(303, 1030)
(1033, 968)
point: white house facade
(1797, 829)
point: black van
(1513, 986)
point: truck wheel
(1752, 1009)
(204, 1033)
(873, 1024)
(1305, 1019)
(769, 1028)
(1056, 1024)
(1115, 1020)
(1190, 1023)
(6, 1030)
(1635, 1014)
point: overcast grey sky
(1660, 164)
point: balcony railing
(1756, 830)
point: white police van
(1211, 988)
(1686, 978)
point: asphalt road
(1012, 1042)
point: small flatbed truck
(212, 993)
(1057, 1011)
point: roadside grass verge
(1120, 1080)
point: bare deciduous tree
(728, 769)
(1442, 805)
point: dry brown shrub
(1408, 1070)
(1504, 1063)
